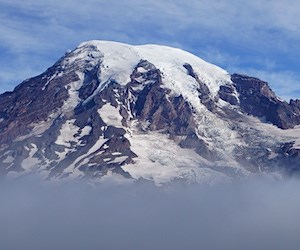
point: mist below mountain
(251, 214)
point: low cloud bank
(258, 214)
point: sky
(259, 38)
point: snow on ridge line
(155, 50)
(119, 60)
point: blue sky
(259, 37)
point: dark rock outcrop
(26, 104)
(257, 99)
(227, 93)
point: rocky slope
(111, 110)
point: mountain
(111, 110)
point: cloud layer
(254, 32)
(253, 215)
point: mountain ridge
(151, 112)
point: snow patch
(110, 115)
(86, 131)
(116, 153)
(119, 159)
(70, 134)
(73, 169)
(30, 163)
(67, 134)
(8, 159)
(73, 88)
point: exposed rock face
(26, 104)
(256, 98)
(203, 90)
(150, 112)
(227, 93)
(152, 103)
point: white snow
(73, 88)
(85, 56)
(162, 160)
(8, 159)
(116, 153)
(30, 163)
(73, 169)
(67, 134)
(70, 133)
(62, 155)
(276, 134)
(110, 115)
(293, 135)
(120, 59)
(86, 131)
(119, 159)
(216, 133)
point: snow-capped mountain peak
(118, 61)
(110, 109)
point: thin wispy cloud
(245, 31)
